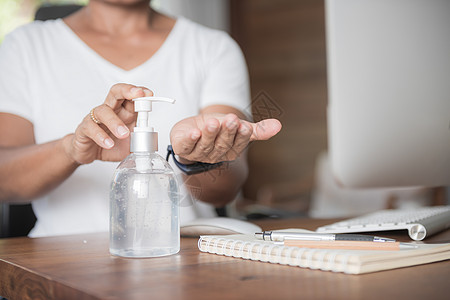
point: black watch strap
(191, 169)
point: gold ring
(93, 118)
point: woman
(57, 141)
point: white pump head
(144, 139)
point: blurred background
(284, 45)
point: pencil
(348, 245)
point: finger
(92, 131)
(206, 142)
(122, 91)
(183, 142)
(108, 117)
(127, 115)
(225, 139)
(265, 129)
(241, 140)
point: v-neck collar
(109, 64)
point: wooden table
(80, 267)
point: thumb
(265, 129)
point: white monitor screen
(389, 92)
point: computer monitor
(389, 92)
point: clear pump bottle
(144, 195)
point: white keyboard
(420, 222)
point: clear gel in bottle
(144, 196)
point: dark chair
(51, 12)
(18, 220)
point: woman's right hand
(109, 140)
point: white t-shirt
(52, 78)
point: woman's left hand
(214, 138)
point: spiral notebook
(345, 261)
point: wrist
(191, 168)
(66, 145)
(185, 161)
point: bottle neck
(144, 142)
(142, 153)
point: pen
(280, 236)
(348, 245)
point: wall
(212, 13)
(284, 44)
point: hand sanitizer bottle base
(144, 208)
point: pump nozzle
(144, 139)
(143, 106)
(145, 103)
